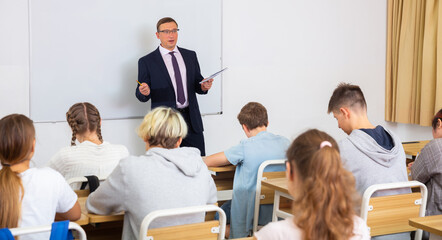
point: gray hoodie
(160, 179)
(372, 164)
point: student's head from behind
(437, 125)
(167, 32)
(347, 103)
(163, 127)
(85, 122)
(17, 136)
(252, 116)
(17, 144)
(323, 190)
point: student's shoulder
(285, 229)
(360, 229)
(392, 134)
(66, 150)
(435, 143)
(132, 161)
(267, 136)
(282, 139)
(344, 141)
(46, 173)
(434, 148)
(117, 147)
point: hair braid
(84, 117)
(94, 120)
(73, 124)
(99, 133)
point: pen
(138, 82)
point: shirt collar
(164, 51)
(89, 143)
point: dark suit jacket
(152, 70)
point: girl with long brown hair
(29, 196)
(92, 156)
(323, 192)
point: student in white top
(30, 196)
(323, 193)
(92, 156)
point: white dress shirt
(168, 61)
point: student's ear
(158, 35)
(288, 171)
(244, 128)
(178, 143)
(345, 112)
(33, 146)
(31, 154)
(439, 123)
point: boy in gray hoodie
(372, 153)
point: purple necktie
(179, 81)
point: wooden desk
(281, 189)
(223, 177)
(228, 168)
(84, 220)
(413, 148)
(431, 224)
(94, 218)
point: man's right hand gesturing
(144, 89)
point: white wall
(14, 57)
(287, 54)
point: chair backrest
(390, 214)
(47, 228)
(265, 195)
(81, 180)
(197, 231)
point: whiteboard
(88, 50)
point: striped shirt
(88, 158)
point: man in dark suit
(171, 77)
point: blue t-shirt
(380, 136)
(248, 156)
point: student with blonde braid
(323, 193)
(29, 196)
(92, 156)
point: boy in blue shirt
(259, 146)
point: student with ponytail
(323, 191)
(29, 196)
(92, 156)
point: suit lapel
(162, 66)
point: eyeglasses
(169, 31)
